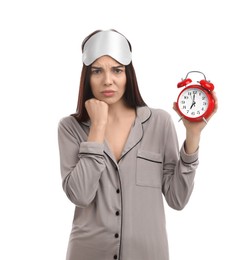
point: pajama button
(116, 235)
(115, 257)
(117, 213)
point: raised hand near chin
(98, 113)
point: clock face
(193, 102)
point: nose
(108, 80)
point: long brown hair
(132, 94)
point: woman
(118, 157)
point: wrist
(97, 133)
(192, 142)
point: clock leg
(205, 120)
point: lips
(108, 93)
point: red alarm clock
(195, 102)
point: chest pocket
(149, 169)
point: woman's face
(108, 80)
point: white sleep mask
(108, 43)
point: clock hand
(193, 104)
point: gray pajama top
(119, 206)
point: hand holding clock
(194, 129)
(197, 126)
(196, 104)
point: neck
(119, 111)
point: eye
(117, 70)
(96, 71)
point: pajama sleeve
(81, 165)
(178, 171)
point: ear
(184, 83)
(207, 85)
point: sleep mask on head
(108, 43)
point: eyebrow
(114, 67)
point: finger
(175, 106)
(215, 101)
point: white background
(40, 64)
